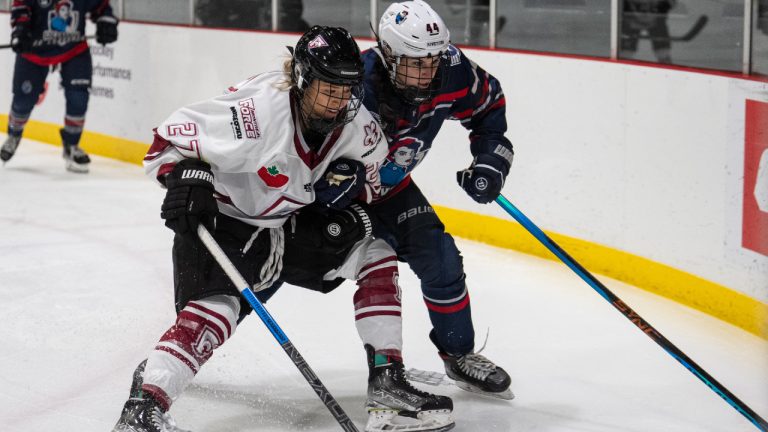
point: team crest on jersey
(317, 42)
(63, 22)
(403, 157)
(272, 177)
(63, 17)
(372, 134)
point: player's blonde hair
(287, 82)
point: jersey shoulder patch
(454, 55)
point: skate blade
(387, 420)
(77, 168)
(428, 377)
(506, 394)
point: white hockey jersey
(263, 169)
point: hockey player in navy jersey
(247, 165)
(414, 81)
(48, 34)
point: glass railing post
(275, 9)
(374, 14)
(746, 59)
(616, 10)
(492, 24)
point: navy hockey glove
(485, 177)
(21, 38)
(342, 182)
(189, 200)
(106, 29)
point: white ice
(86, 290)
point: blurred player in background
(49, 34)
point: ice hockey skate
(141, 413)
(475, 373)
(394, 405)
(9, 147)
(76, 159)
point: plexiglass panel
(581, 27)
(242, 14)
(353, 15)
(166, 11)
(700, 33)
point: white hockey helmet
(413, 29)
(409, 30)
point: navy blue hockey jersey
(58, 26)
(470, 95)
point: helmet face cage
(416, 79)
(326, 106)
(327, 72)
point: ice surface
(86, 291)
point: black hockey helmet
(329, 54)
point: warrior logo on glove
(334, 229)
(481, 184)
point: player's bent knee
(435, 258)
(201, 327)
(23, 103)
(77, 99)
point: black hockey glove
(344, 228)
(485, 177)
(21, 38)
(327, 230)
(106, 29)
(342, 182)
(189, 200)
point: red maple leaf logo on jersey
(272, 177)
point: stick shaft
(296, 357)
(631, 315)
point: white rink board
(645, 160)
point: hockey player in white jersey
(271, 168)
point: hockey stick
(237, 279)
(687, 36)
(631, 315)
(693, 32)
(37, 43)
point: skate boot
(9, 147)
(394, 405)
(141, 413)
(475, 373)
(76, 159)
